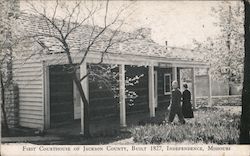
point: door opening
(61, 95)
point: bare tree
(8, 16)
(3, 57)
(245, 118)
(60, 29)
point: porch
(105, 126)
(151, 62)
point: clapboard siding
(29, 98)
(24, 106)
(37, 96)
(30, 85)
(29, 69)
(34, 112)
(28, 75)
(30, 91)
(31, 120)
(30, 124)
(28, 79)
(28, 65)
(30, 116)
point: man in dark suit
(175, 105)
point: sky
(178, 22)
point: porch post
(174, 71)
(151, 91)
(193, 87)
(46, 96)
(85, 86)
(209, 88)
(122, 95)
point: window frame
(164, 83)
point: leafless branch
(50, 21)
(101, 32)
(79, 23)
(71, 13)
(55, 10)
(106, 13)
(71, 26)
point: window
(167, 84)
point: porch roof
(127, 59)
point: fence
(232, 100)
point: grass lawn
(210, 125)
(217, 125)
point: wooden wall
(29, 77)
(28, 74)
(163, 100)
(140, 103)
(103, 103)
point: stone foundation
(11, 105)
(232, 100)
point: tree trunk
(245, 117)
(85, 103)
(81, 92)
(6, 127)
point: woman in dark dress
(186, 104)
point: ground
(223, 130)
(216, 125)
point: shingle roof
(33, 24)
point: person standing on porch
(175, 106)
(186, 104)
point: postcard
(85, 77)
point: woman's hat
(185, 86)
